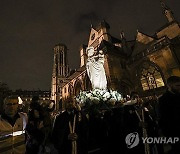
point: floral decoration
(98, 99)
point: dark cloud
(29, 29)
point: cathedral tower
(60, 72)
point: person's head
(70, 105)
(173, 83)
(90, 51)
(10, 106)
(46, 107)
(35, 104)
(135, 96)
(51, 105)
(35, 98)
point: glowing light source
(20, 100)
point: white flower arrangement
(98, 96)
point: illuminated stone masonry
(141, 65)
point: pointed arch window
(78, 87)
(151, 77)
(70, 90)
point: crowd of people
(76, 131)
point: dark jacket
(124, 121)
(61, 131)
(35, 136)
(169, 112)
(38, 132)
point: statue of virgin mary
(95, 68)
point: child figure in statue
(95, 68)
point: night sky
(29, 29)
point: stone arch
(70, 90)
(87, 83)
(78, 87)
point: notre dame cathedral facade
(141, 65)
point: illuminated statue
(95, 68)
